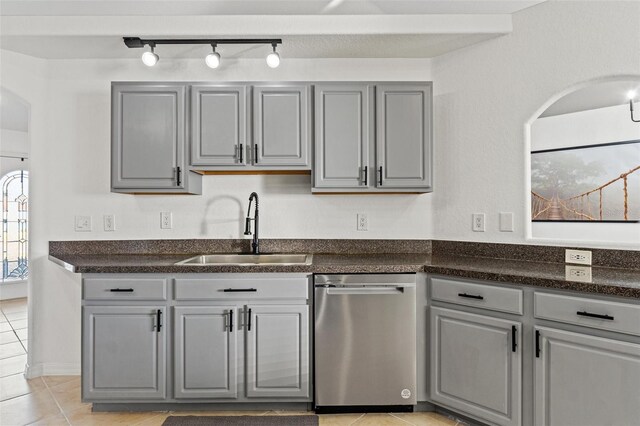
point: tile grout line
(361, 416)
(46, 385)
(400, 418)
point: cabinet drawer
(124, 289)
(501, 299)
(239, 288)
(602, 314)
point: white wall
(75, 181)
(485, 94)
(27, 77)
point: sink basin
(248, 259)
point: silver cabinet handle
(380, 171)
(366, 175)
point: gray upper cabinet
(123, 353)
(281, 126)
(206, 352)
(359, 151)
(403, 135)
(476, 365)
(585, 380)
(218, 125)
(148, 150)
(278, 351)
(342, 135)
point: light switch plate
(506, 222)
(82, 224)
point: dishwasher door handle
(396, 289)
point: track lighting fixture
(150, 58)
(632, 95)
(212, 59)
(273, 59)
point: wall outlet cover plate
(578, 273)
(477, 224)
(580, 257)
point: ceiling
(259, 7)
(596, 96)
(92, 29)
(298, 46)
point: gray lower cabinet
(281, 125)
(148, 147)
(476, 365)
(359, 151)
(206, 351)
(219, 125)
(123, 353)
(585, 380)
(278, 351)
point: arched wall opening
(588, 123)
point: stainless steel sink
(248, 259)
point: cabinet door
(281, 126)
(403, 134)
(218, 125)
(206, 351)
(475, 367)
(278, 351)
(585, 380)
(148, 136)
(123, 353)
(342, 120)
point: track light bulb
(631, 95)
(273, 59)
(150, 58)
(212, 59)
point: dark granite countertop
(607, 281)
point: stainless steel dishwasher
(365, 342)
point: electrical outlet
(506, 222)
(478, 222)
(578, 273)
(166, 220)
(109, 222)
(582, 257)
(83, 223)
(363, 222)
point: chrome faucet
(255, 249)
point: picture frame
(589, 183)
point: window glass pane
(14, 235)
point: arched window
(15, 209)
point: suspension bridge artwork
(597, 183)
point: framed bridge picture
(593, 183)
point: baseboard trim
(52, 369)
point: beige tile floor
(55, 400)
